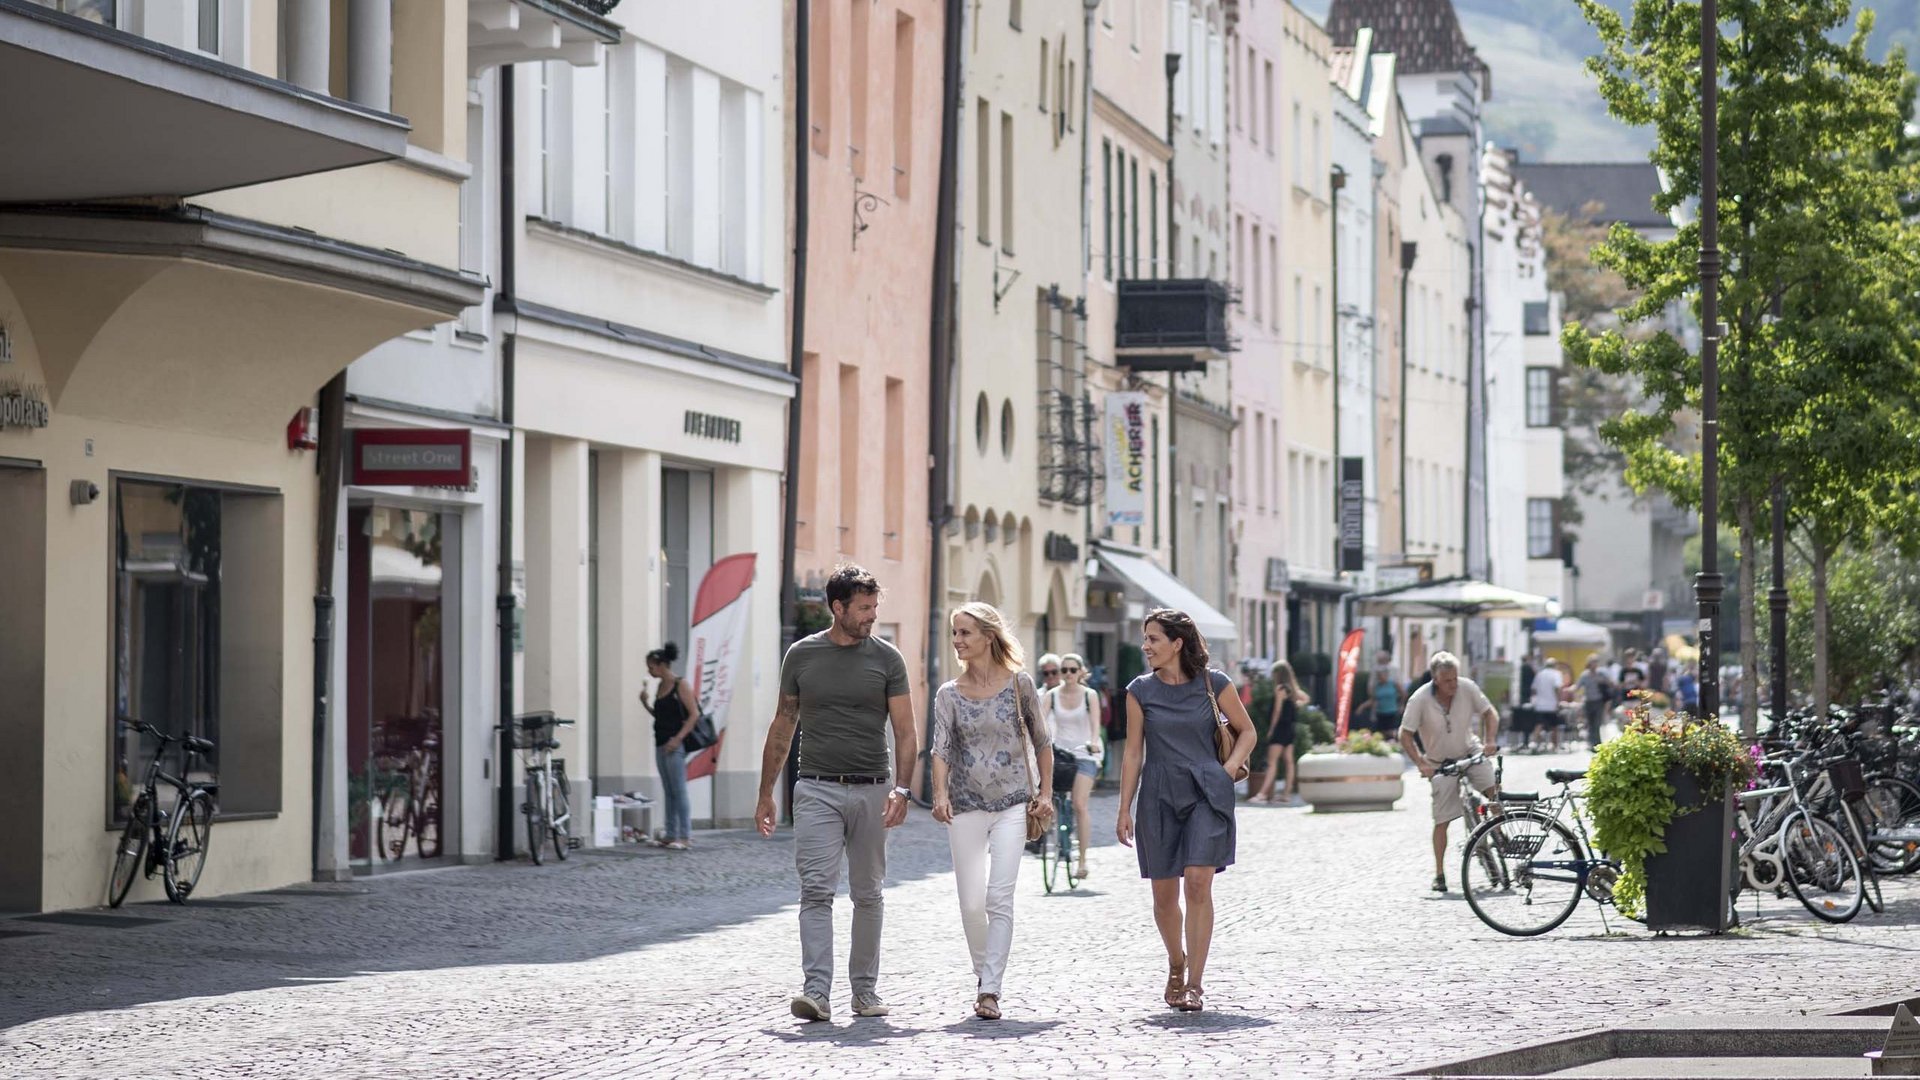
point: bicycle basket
(1063, 770)
(1849, 779)
(532, 730)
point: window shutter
(1177, 37)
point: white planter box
(1338, 783)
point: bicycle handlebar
(1452, 767)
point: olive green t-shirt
(843, 692)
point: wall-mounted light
(83, 492)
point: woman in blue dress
(1185, 827)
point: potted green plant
(1359, 772)
(1661, 799)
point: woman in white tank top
(1073, 717)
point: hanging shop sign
(411, 457)
(1126, 430)
(23, 406)
(1353, 514)
(1279, 577)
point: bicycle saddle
(1565, 776)
(198, 745)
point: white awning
(1165, 590)
(1572, 631)
(1456, 598)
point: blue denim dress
(1184, 814)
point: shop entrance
(23, 642)
(397, 674)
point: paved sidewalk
(1330, 959)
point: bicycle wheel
(1821, 869)
(1854, 826)
(187, 841)
(560, 820)
(1063, 816)
(426, 816)
(1521, 873)
(535, 810)
(129, 853)
(1049, 857)
(1892, 803)
(396, 816)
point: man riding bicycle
(1453, 721)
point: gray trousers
(832, 822)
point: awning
(1456, 598)
(1165, 590)
(1572, 631)
(98, 113)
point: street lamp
(1708, 584)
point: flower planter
(1688, 887)
(1340, 783)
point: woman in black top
(673, 716)
(1287, 699)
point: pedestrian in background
(1544, 700)
(1186, 829)
(841, 689)
(1049, 671)
(1073, 719)
(1389, 692)
(1282, 728)
(1596, 690)
(673, 716)
(985, 786)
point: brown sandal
(1191, 1000)
(987, 1007)
(1176, 983)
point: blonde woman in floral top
(983, 784)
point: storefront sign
(719, 647)
(709, 426)
(23, 406)
(1353, 514)
(1061, 548)
(411, 457)
(1279, 577)
(1126, 429)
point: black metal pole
(1336, 182)
(333, 409)
(1777, 599)
(1708, 584)
(504, 601)
(1173, 377)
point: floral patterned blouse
(985, 756)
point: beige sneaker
(869, 1005)
(809, 1007)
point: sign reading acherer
(411, 457)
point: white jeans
(987, 849)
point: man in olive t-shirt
(840, 689)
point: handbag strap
(1020, 726)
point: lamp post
(1708, 584)
(1777, 600)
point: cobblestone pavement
(1330, 959)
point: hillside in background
(1545, 103)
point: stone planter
(1338, 783)
(1689, 884)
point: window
(1006, 183)
(96, 11)
(1259, 292)
(1273, 280)
(858, 76)
(1319, 173)
(1177, 24)
(1153, 224)
(983, 171)
(1133, 248)
(1260, 459)
(1542, 397)
(1238, 259)
(982, 421)
(208, 35)
(1298, 164)
(1013, 13)
(902, 105)
(811, 466)
(820, 79)
(896, 465)
(678, 155)
(1266, 110)
(851, 460)
(1006, 429)
(1538, 320)
(1133, 24)
(1240, 92)
(1216, 87)
(198, 636)
(1543, 528)
(1299, 320)
(1120, 234)
(1066, 107)
(1319, 328)
(1106, 208)
(1046, 74)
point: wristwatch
(905, 793)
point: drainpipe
(1336, 181)
(941, 330)
(1173, 377)
(797, 347)
(1409, 251)
(333, 405)
(506, 302)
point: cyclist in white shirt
(1073, 716)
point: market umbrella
(1456, 598)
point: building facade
(285, 196)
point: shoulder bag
(701, 735)
(1037, 823)
(1223, 736)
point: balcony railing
(1172, 324)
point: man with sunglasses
(1049, 671)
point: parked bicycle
(1479, 808)
(1784, 843)
(406, 781)
(169, 840)
(1525, 870)
(546, 808)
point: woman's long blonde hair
(1283, 678)
(1002, 646)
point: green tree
(1816, 256)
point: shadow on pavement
(976, 1028)
(1206, 1021)
(590, 906)
(862, 1031)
